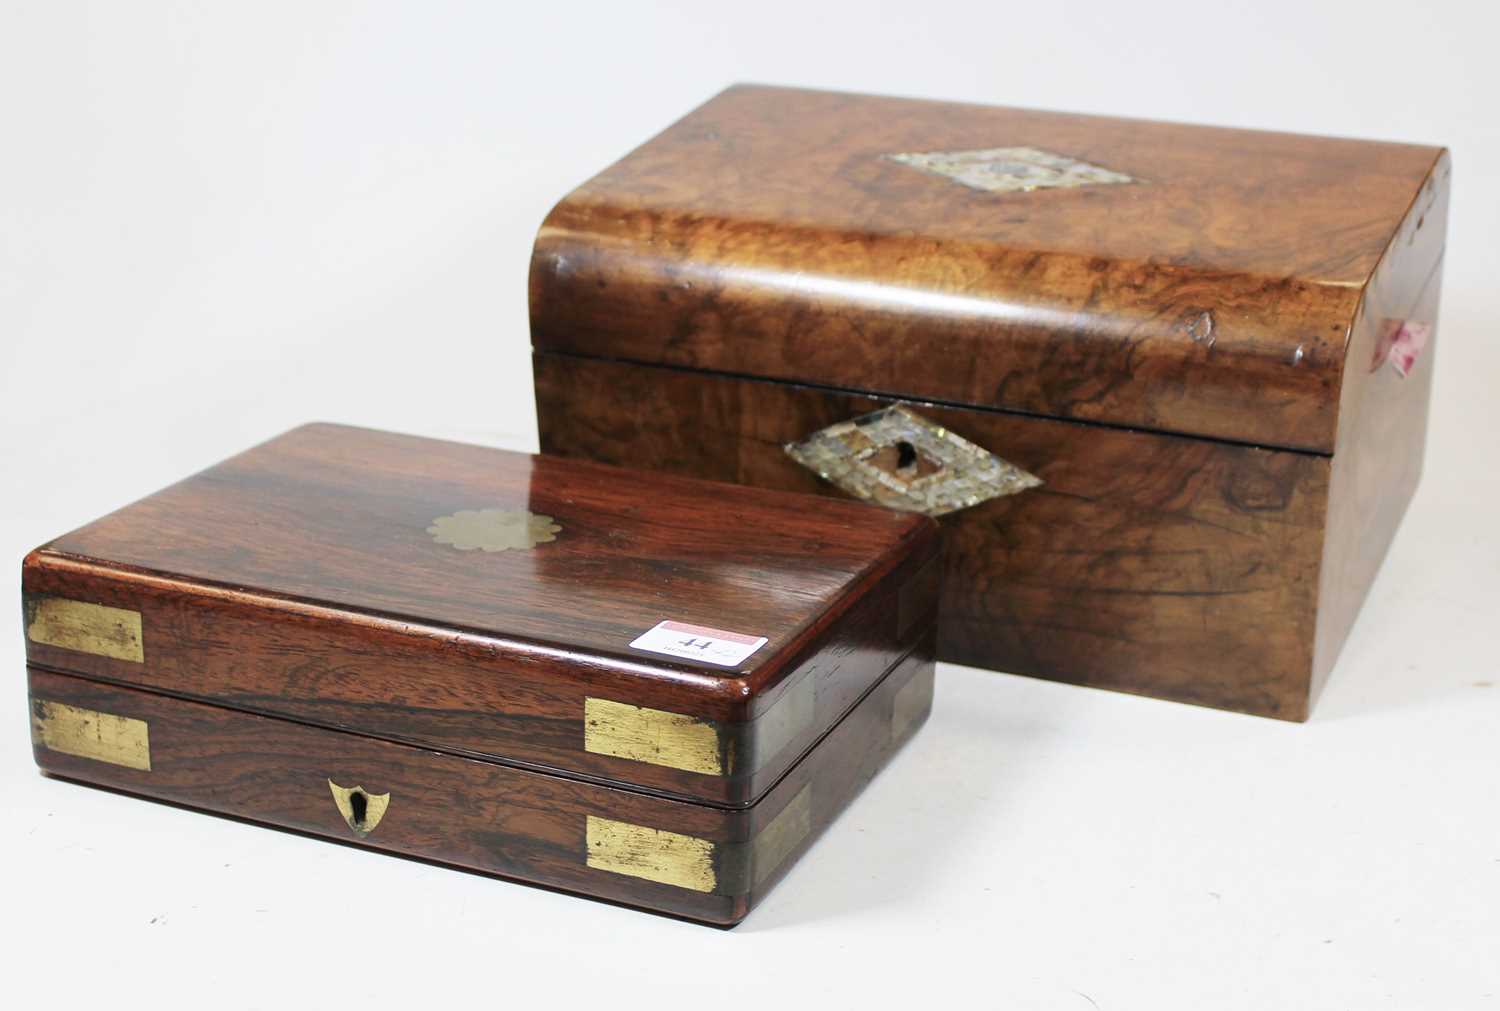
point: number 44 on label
(695, 642)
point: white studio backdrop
(220, 220)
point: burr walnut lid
(1176, 278)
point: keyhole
(906, 455)
(357, 807)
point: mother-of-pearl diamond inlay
(1011, 169)
(899, 459)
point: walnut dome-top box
(1165, 386)
(648, 689)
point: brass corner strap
(85, 733)
(679, 741)
(701, 865)
(84, 627)
(653, 735)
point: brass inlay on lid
(494, 529)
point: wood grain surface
(1190, 360)
(487, 816)
(1163, 565)
(299, 579)
(770, 234)
(1383, 432)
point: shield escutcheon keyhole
(357, 808)
(361, 809)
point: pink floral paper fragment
(1401, 342)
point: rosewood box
(648, 689)
(1165, 386)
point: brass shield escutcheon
(361, 809)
